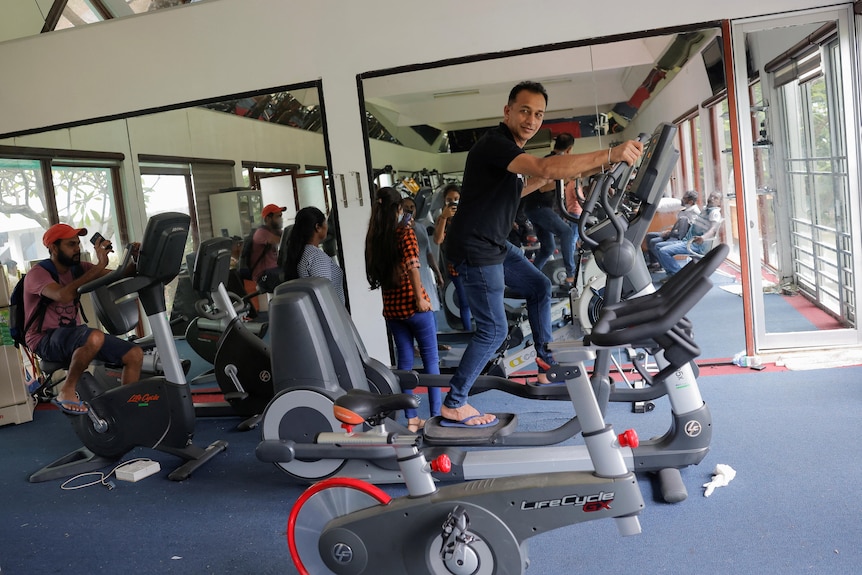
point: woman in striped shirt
(303, 256)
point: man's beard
(68, 261)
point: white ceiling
(579, 81)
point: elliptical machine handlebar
(650, 316)
(620, 172)
(600, 187)
(616, 177)
(626, 174)
(110, 277)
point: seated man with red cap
(60, 335)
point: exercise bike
(50, 374)
(241, 362)
(205, 329)
(481, 527)
(156, 412)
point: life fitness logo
(143, 399)
(693, 428)
(527, 357)
(342, 553)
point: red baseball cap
(61, 232)
(271, 209)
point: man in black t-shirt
(497, 174)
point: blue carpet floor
(794, 507)
(718, 322)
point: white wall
(22, 17)
(404, 159)
(187, 54)
(688, 88)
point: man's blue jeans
(652, 240)
(666, 251)
(463, 304)
(547, 225)
(485, 286)
(422, 327)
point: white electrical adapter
(137, 470)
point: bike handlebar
(111, 277)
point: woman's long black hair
(304, 226)
(382, 258)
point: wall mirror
(421, 123)
(207, 159)
(798, 104)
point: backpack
(19, 325)
(246, 266)
(680, 228)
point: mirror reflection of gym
(422, 123)
(187, 159)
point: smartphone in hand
(95, 239)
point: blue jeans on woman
(422, 327)
(485, 286)
(547, 225)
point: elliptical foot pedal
(436, 434)
(554, 390)
(250, 423)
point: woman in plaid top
(392, 263)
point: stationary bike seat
(48, 367)
(359, 405)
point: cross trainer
(302, 407)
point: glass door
(795, 88)
(311, 191)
